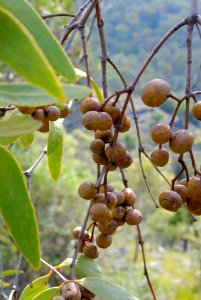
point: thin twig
(85, 55)
(54, 270)
(56, 15)
(13, 293)
(29, 171)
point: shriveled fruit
(120, 196)
(94, 120)
(182, 191)
(87, 190)
(125, 162)
(103, 240)
(100, 158)
(108, 228)
(119, 151)
(104, 135)
(76, 232)
(181, 141)
(159, 157)
(99, 212)
(52, 112)
(118, 212)
(65, 111)
(90, 250)
(133, 217)
(71, 291)
(196, 110)
(161, 133)
(97, 146)
(194, 205)
(170, 200)
(113, 111)
(155, 92)
(27, 110)
(194, 188)
(89, 104)
(111, 200)
(99, 198)
(125, 124)
(130, 197)
(39, 114)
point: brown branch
(85, 55)
(53, 269)
(56, 15)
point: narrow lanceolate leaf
(17, 209)
(18, 125)
(105, 290)
(35, 287)
(45, 39)
(4, 284)
(20, 51)
(8, 273)
(23, 94)
(5, 141)
(65, 264)
(49, 293)
(27, 139)
(87, 267)
(54, 149)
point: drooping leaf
(49, 293)
(27, 139)
(35, 287)
(8, 273)
(87, 267)
(45, 39)
(17, 209)
(66, 263)
(18, 125)
(54, 149)
(23, 94)
(20, 51)
(8, 140)
(104, 289)
(95, 87)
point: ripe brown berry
(81, 246)
(99, 212)
(113, 111)
(52, 112)
(181, 141)
(94, 120)
(65, 111)
(170, 200)
(194, 187)
(109, 188)
(125, 124)
(111, 200)
(97, 146)
(161, 133)
(89, 104)
(130, 197)
(120, 196)
(103, 240)
(108, 228)
(39, 114)
(194, 205)
(119, 151)
(183, 182)
(121, 222)
(155, 92)
(27, 110)
(99, 198)
(118, 212)
(90, 250)
(182, 191)
(133, 217)
(76, 232)
(100, 158)
(87, 190)
(71, 291)
(196, 110)
(125, 162)
(105, 135)
(159, 157)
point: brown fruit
(58, 298)
(196, 110)
(119, 151)
(183, 182)
(121, 222)
(181, 141)
(27, 110)
(52, 112)
(39, 114)
(81, 246)
(112, 166)
(100, 158)
(118, 212)
(194, 205)
(103, 240)
(65, 111)
(120, 196)
(159, 157)
(99, 212)
(125, 124)
(76, 232)
(194, 188)
(161, 133)
(130, 197)
(99, 198)
(87, 190)
(97, 146)
(89, 104)
(71, 291)
(94, 120)
(133, 217)
(90, 250)
(86, 293)
(45, 126)
(109, 188)
(170, 200)
(108, 228)
(111, 200)
(113, 111)
(182, 191)
(155, 92)
(125, 162)
(105, 136)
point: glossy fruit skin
(196, 110)
(155, 92)
(161, 133)
(87, 190)
(133, 217)
(52, 112)
(130, 197)
(94, 120)
(194, 205)
(159, 157)
(181, 141)
(170, 201)
(125, 124)
(182, 191)
(103, 240)
(65, 111)
(39, 114)
(97, 146)
(125, 161)
(194, 189)
(90, 250)
(113, 111)
(89, 104)
(76, 232)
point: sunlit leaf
(45, 39)
(66, 263)
(8, 273)
(4, 284)
(87, 267)
(17, 209)
(49, 293)
(54, 149)
(27, 139)
(20, 51)
(35, 287)
(8, 140)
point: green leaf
(43, 36)
(8, 273)
(23, 94)
(17, 209)
(54, 149)
(27, 139)
(8, 140)
(20, 51)
(87, 267)
(4, 284)
(49, 293)
(104, 289)
(66, 263)
(35, 287)
(95, 87)
(18, 125)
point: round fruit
(100, 158)
(108, 228)
(181, 141)
(45, 126)
(182, 191)
(99, 198)
(119, 151)
(99, 212)
(53, 113)
(90, 250)
(133, 217)
(194, 205)
(28, 110)
(183, 182)
(76, 232)
(161, 133)
(111, 200)
(155, 92)
(65, 111)
(118, 212)
(113, 111)
(125, 162)
(125, 124)
(97, 146)
(89, 104)
(94, 120)
(196, 110)
(71, 291)
(170, 200)
(39, 114)
(105, 136)
(159, 157)
(194, 188)
(81, 246)
(130, 197)
(103, 240)
(120, 196)
(108, 187)
(87, 190)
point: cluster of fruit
(45, 114)
(153, 95)
(73, 291)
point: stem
(54, 270)
(85, 55)
(56, 15)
